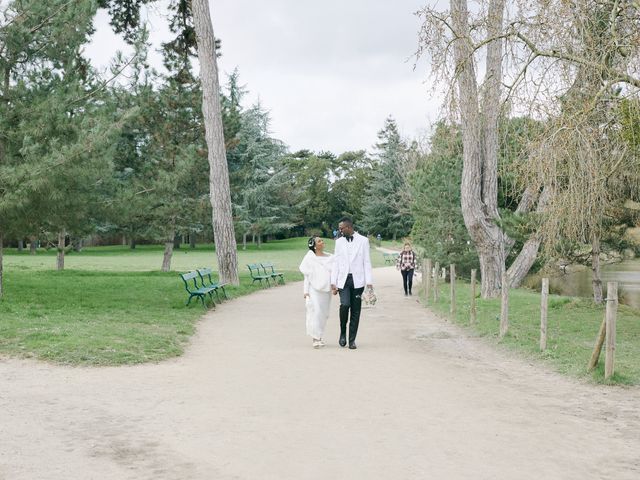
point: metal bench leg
(213, 303)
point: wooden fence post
(426, 278)
(611, 312)
(504, 306)
(544, 304)
(595, 355)
(473, 318)
(435, 282)
(452, 278)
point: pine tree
(387, 210)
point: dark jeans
(350, 299)
(407, 280)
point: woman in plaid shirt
(406, 263)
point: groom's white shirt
(352, 257)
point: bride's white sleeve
(306, 284)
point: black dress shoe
(352, 346)
(343, 340)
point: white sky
(328, 71)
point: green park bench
(196, 290)
(390, 258)
(207, 282)
(258, 274)
(270, 269)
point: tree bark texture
(480, 141)
(168, 247)
(33, 245)
(596, 280)
(523, 262)
(62, 234)
(220, 193)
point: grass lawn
(111, 306)
(573, 325)
(285, 254)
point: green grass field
(573, 325)
(111, 306)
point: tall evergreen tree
(261, 177)
(435, 188)
(59, 129)
(387, 210)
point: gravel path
(251, 399)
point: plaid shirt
(407, 260)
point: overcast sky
(328, 71)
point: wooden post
(544, 303)
(435, 282)
(426, 279)
(504, 306)
(452, 278)
(612, 310)
(595, 355)
(473, 318)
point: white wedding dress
(317, 283)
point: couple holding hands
(345, 273)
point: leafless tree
(539, 57)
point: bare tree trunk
(1, 265)
(192, 240)
(259, 240)
(479, 137)
(20, 245)
(62, 234)
(168, 247)
(33, 245)
(244, 241)
(595, 269)
(491, 108)
(132, 243)
(223, 231)
(523, 262)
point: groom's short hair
(347, 220)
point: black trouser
(407, 280)
(350, 299)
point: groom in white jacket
(349, 275)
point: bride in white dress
(316, 268)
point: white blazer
(360, 263)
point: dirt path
(252, 400)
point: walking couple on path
(345, 273)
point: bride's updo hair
(312, 244)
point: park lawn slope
(110, 308)
(78, 317)
(573, 325)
